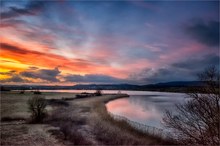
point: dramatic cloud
(43, 74)
(14, 79)
(184, 70)
(106, 42)
(206, 33)
(31, 8)
(42, 59)
(11, 48)
(8, 73)
(32, 75)
(150, 75)
(198, 64)
(92, 78)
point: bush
(36, 106)
(81, 95)
(198, 120)
(37, 92)
(69, 125)
(98, 92)
(21, 92)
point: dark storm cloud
(13, 77)
(32, 73)
(12, 48)
(32, 8)
(44, 74)
(180, 71)
(163, 75)
(206, 33)
(198, 63)
(91, 78)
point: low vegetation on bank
(197, 121)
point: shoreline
(80, 90)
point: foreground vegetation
(83, 121)
(198, 120)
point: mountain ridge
(158, 86)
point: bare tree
(198, 120)
(36, 106)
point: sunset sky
(138, 42)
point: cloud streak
(43, 74)
(92, 78)
(31, 8)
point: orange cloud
(24, 58)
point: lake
(146, 107)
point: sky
(80, 42)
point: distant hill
(177, 86)
(107, 87)
(137, 87)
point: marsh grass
(69, 124)
(113, 132)
(15, 127)
(14, 105)
(13, 133)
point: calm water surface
(110, 92)
(146, 107)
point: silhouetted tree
(36, 106)
(198, 120)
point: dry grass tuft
(69, 125)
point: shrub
(198, 120)
(21, 92)
(98, 92)
(69, 125)
(37, 92)
(82, 95)
(36, 106)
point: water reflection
(146, 109)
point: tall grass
(113, 132)
(68, 124)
